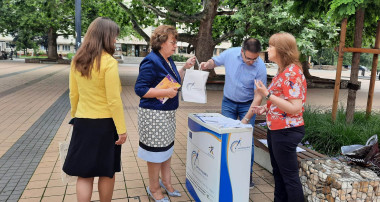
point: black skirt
(92, 151)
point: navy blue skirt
(92, 151)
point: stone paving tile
(22, 108)
(38, 137)
(259, 197)
(23, 71)
(46, 185)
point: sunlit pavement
(34, 119)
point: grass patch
(30, 57)
(179, 58)
(327, 137)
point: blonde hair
(161, 35)
(286, 49)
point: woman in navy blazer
(156, 120)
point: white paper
(223, 122)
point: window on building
(66, 47)
(58, 47)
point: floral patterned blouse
(290, 84)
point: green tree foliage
(233, 20)
(337, 10)
(312, 32)
(52, 18)
(364, 33)
(206, 23)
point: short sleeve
(220, 59)
(292, 83)
(262, 73)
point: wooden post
(373, 72)
(339, 68)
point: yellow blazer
(98, 97)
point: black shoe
(251, 185)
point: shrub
(327, 137)
(70, 55)
(179, 58)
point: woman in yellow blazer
(99, 125)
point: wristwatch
(269, 94)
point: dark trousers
(282, 146)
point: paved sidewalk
(34, 115)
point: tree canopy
(40, 18)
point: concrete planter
(32, 60)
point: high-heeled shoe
(175, 193)
(165, 199)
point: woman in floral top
(285, 96)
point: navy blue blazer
(152, 70)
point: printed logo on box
(194, 158)
(195, 163)
(237, 145)
(211, 149)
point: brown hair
(161, 35)
(286, 49)
(100, 36)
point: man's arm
(210, 64)
(256, 102)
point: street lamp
(78, 20)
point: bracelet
(246, 119)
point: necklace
(172, 70)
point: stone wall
(334, 181)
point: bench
(262, 153)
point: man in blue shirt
(243, 66)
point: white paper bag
(63, 148)
(194, 86)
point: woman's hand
(259, 109)
(122, 139)
(171, 92)
(261, 89)
(189, 63)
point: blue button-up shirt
(240, 78)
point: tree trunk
(204, 46)
(52, 44)
(359, 23)
(305, 68)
